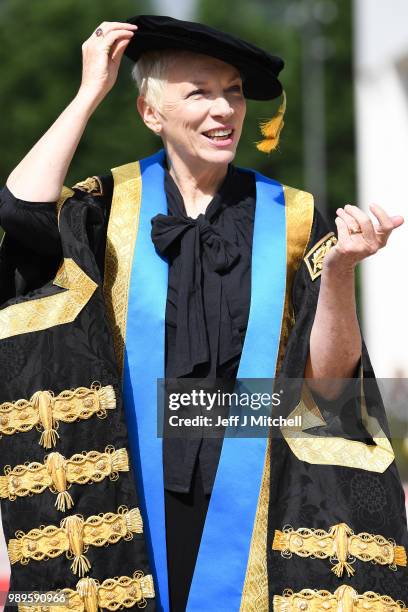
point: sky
(182, 9)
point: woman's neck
(197, 185)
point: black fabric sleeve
(31, 250)
(32, 224)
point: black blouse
(209, 288)
(208, 292)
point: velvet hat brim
(259, 69)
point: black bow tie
(168, 229)
(200, 249)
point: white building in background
(381, 77)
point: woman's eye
(196, 92)
(236, 89)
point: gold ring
(355, 230)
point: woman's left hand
(358, 237)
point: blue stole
(222, 559)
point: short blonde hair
(150, 74)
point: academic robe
(70, 509)
(306, 521)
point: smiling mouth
(219, 134)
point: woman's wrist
(87, 100)
(338, 266)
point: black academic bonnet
(259, 69)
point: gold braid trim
(44, 411)
(344, 598)
(111, 594)
(120, 246)
(74, 536)
(58, 473)
(341, 545)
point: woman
(217, 249)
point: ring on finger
(98, 32)
(355, 230)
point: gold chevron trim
(341, 545)
(74, 536)
(344, 598)
(57, 474)
(44, 411)
(90, 595)
(42, 313)
(334, 450)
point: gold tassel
(339, 568)
(120, 460)
(341, 534)
(15, 551)
(43, 402)
(272, 129)
(73, 526)
(4, 488)
(107, 397)
(56, 468)
(400, 556)
(88, 592)
(134, 522)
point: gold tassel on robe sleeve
(341, 533)
(74, 528)
(55, 463)
(43, 402)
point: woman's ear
(150, 115)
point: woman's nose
(221, 107)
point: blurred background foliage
(41, 70)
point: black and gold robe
(330, 529)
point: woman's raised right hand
(102, 53)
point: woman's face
(203, 110)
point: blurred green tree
(41, 70)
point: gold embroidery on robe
(120, 245)
(90, 595)
(92, 184)
(74, 536)
(344, 598)
(44, 411)
(57, 474)
(341, 545)
(335, 450)
(315, 257)
(42, 313)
